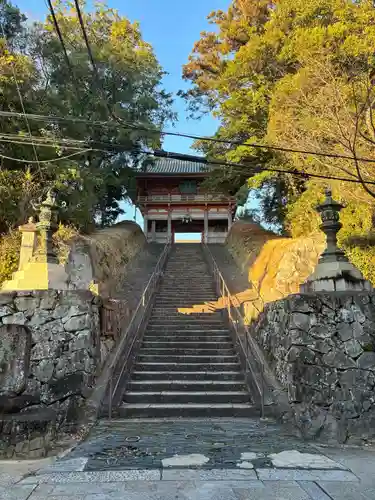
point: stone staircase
(187, 365)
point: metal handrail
(132, 331)
(250, 349)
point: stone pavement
(273, 465)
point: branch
(356, 163)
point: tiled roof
(172, 166)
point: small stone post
(334, 272)
(28, 242)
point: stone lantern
(47, 225)
(42, 271)
(334, 272)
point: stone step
(169, 286)
(181, 375)
(176, 269)
(174, 312)
(187, 364)
(176, 344)
(185, 359)
(212, 339)
(184, 367)
(208, 397)
(142, 410)
(177, 299)
(181, 351)
(176, 316)
(181, 303)
(185, 385)
(184, 328)
(192, 284)
(186, 293)
(181, 275)
(187, 320)
(176, 278)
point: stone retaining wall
(49, 359)
(322, 349)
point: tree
(128, 86)
(297, 74)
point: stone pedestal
(28, 243)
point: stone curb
(261, 475)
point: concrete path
(270, 466)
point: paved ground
(218, 459)
(144, 443)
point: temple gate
(171, 200)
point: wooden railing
(192, 198)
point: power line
(41, 144)
(191, 136)
(46, 161)
(62, 119)
(62, 43)
(67, 143)
(167, 154)
(254, 169)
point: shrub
(10, 245)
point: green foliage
(9, 254)
(298, 74)
(62, 240)
(302, 218)
(356, 237)
(92, 183)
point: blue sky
(172, 27)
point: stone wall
(274, 266)
(49, 358)
(106, 256)
(322, 350)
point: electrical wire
(254, 169)
(45, 145)
(62, 119)
(190, 136)
(59, 34)
(179, 156)
(46, 161)
(66, 143)
(22, 103)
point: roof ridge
(176, 166)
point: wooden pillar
(206, 225)
(145, 225)
(153, 230)
(229, 219)
(170, 225)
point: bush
(62, 240)
(10, 245)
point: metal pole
(262, 394)
(110, 397)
